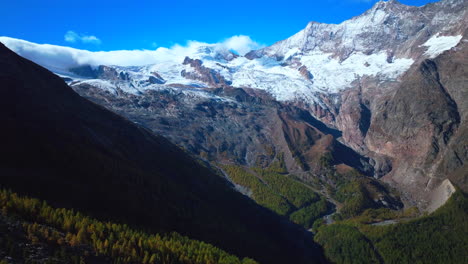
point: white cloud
(62, 58)
(241, 44)
(90, 39)
(72, 36)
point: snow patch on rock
(286, 83)
(438, 44)
(332, 76)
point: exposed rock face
(306, 73)
(440, 195)
(354, 118)
(422, 126)
(203, 74)
(230, 125)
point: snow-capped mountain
(384, 41)
(380, 78)
(389, 27)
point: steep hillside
(422, 124)
(34, 232)
(73, 153)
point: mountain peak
(387, 3)
(383, 3)
(386, 6)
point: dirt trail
(328, 218)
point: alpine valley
(345, 143)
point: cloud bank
(72, 37)
(62, 58)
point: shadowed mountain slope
(62, 148)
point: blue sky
(114, 25)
